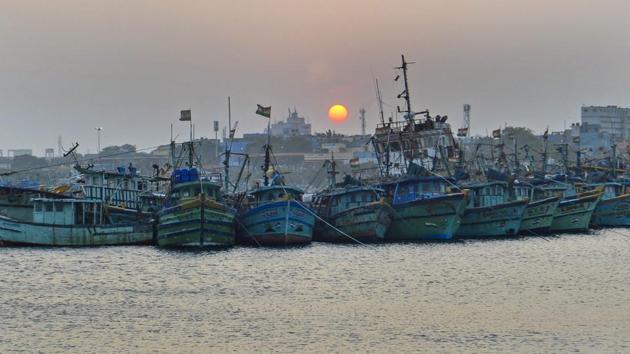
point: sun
(338, 113)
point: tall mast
(226, 162)
(405, 93)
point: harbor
(315, 177)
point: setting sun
(338, 113)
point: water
(567, 293)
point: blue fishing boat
(425, 208)
(490, 213)
(273, 214)
(614, 207)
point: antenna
(362, 118)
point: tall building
(611, 119)
(294, 126)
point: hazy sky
(130, 66)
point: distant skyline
(68, 66)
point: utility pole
(362, 118)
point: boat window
(49, 207)
(353, 198)
(58, 206)
(186, 193)
(38, 206)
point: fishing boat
(351, 212)
(539, 213)
(425, 208)
(490, 213)
(71, 222)
(614, 207)
(273, 214)
(195, 214)
(576, 207)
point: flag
(462, 131)
(354, 162)
(496, 133)
(185, 116)
(264, 111)
(232, 132)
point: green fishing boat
(358, 212)
(538, 215)
(196, 216)
(575, 209)
(424, 209)
(490, 213)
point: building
(294, 126)
(612, 119)
(19, 152)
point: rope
(334, 228)
(248, 233)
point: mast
(544, 155)
(226, 161)
(380, 103)
(405, 94)
(614, 161)
(333, 171)
(267, 155)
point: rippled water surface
(567, 293)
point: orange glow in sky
(338, 113)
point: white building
(612, 119)
(294, 126)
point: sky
(68, 66)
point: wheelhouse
(189, 190)
(67, 211)
(344, 199)
(488, 194)
(411, 189)
(270, 194)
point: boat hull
(197, 223)
(495, 221)
(430, 219)
(612, 212)
(574, 214)
(538, 216)
(19, 233)
(281, 223)
(366, 223)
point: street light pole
(98, 132)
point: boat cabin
(488, 194)
(189, 190)
(339, 200)
(611, 189)
(414, 188)
(270, 194)
(523, 191)
(67, 211)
